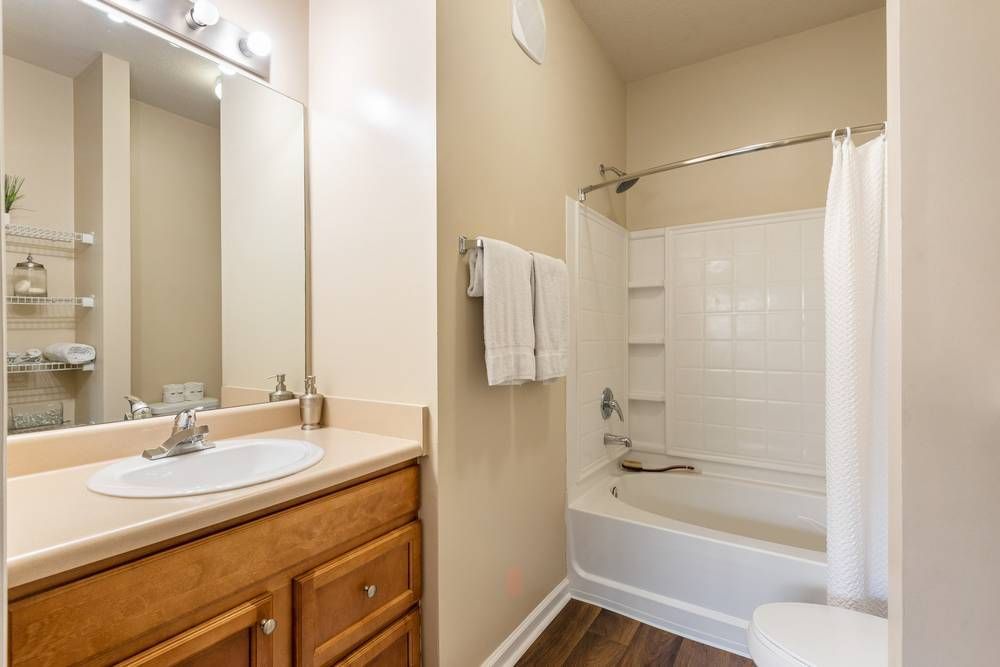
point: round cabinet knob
(370, 590)
(268, 626)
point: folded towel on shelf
(501, 273)
(30, 356)
(551, 316)
(70, 353)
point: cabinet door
(240, 636)
(397, 646)
(342, 603)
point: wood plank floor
(583, 634)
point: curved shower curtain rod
(753, 148)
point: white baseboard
(524, 635)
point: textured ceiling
(644, 37)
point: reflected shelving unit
(47, 367)
(53, 235)
(77, 301)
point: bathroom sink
(232, 464)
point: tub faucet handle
(609, 405)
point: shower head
(624, 185)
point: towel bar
(465, 244)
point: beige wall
(287, 23)
(827, 77)
(263, 236)
(102, 201)
(514, 139)
(373, 178)
(176, 284)
(39, 109)
(945, 235)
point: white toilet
(793, 634)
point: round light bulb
(218, 88)
(256, 44)
(203, 14)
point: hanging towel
(70, 353)
(551, 317)
(501, 273)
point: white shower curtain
(856, 378)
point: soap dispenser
(311, 405)
(280, 392)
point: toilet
(793, 634)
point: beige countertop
(55, 523)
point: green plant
(11, 191)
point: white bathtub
(695, 554)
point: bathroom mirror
(155, 244)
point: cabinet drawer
(397, 646)
(240, 636)
(106, 617)
(344, 602)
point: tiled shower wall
(726, 352)
(596, 255)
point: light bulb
(116, 17)
(202, 14)
(227, 69)
(256, 44)
(218, 88)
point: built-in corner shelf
(78, 301)
(651, 396)
(645, 340)
(47, 367)
(641, 284)
(43, 234)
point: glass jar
(30, 279)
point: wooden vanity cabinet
(332, 580)
(346, 600)
(241, 636)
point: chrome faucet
(612, 439)
(609, 405)
(187, 437)
(137, 409)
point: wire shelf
(43, 234)
(81, 301)
(47, 367)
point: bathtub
(695, 554)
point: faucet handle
(609, 405)
(186, 419)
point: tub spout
(612, 439)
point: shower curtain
(854, 274)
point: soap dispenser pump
(280, 392)
(311, 405)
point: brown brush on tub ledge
(637, 466)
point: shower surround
(714, 334)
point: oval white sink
(232, 464)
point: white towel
(70, 353)
(551, 317)
(501, 273)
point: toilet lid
(822, 636)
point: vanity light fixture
(257, 44)
(200, 24)
(202, 14)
